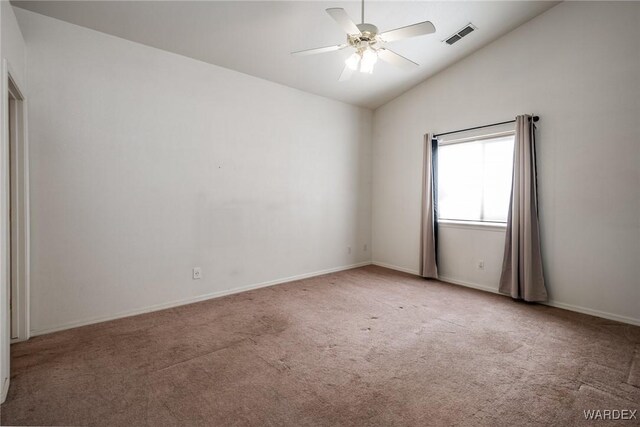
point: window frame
(474, 224)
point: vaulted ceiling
(256, 38)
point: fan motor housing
(368, 33)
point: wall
(577, 66)
(12, 49)
(12, 44)
(146, 164)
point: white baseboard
(592, 312)
(551, 303)
(578, 309)
(192, 300)
(5, 390)
(395, 267)
(468, 284)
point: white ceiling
(256, 38)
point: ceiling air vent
(460, 34)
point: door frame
(20, 257)
(19, 182)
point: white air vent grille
(460, 34)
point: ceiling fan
(369, 44)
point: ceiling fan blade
(414, 30)
(393, 58)
(319, 50)
(346, 74)
(341, 17)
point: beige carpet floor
(367, 346)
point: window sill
(473, 225)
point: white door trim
(20, 227)
(9, 86)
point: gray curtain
(522, 275)
(429, 228)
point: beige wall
(146, 164)
(577, 66)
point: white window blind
(474, 178)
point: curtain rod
(535, 119)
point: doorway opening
(14, 221)
(17, 213)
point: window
(474, 179)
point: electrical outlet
(364, 248)
(197, 273)
(349, 249)
(481, 265)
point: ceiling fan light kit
(369, 44)
(362, 60)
